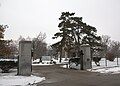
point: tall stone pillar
(86, 57)
(24, 60)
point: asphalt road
(57, 76)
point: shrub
(110, 56)
(7, 65)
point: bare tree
(39, 46)
(105, 39)
(114, 50)
(14, 48)
(113, 47)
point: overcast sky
(29, 17)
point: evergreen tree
(64, 33)
(74, 33)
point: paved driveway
(57, 76)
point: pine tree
(74, 33)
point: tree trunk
(66, 55)
(40, 59)
(60, 56)
(81, 56)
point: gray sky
(29, 17)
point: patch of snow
(103, 62)
(112, 67)
(113, 70)
(8, 60)
(45, 62)
(64, 66)
(37, 63)
(63, 61)
(11, 79)
(44, 59)
(36, 60)
(41, 64)
(73, 66)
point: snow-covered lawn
(8, 60)
(108, 70)
(46, 62)
(11, 79)
(63, 61)
(112, 67)
(42, 64)
(103, 63)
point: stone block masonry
(24, 59)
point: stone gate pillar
(87, 63)
(24, 59)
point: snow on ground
(48, 62)
(112, 70)
(63, 61)
(103, 62)
(42, 64)
(105, 66)
(8, 60)
(37, 63)
(11, 79)
(112, 67)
